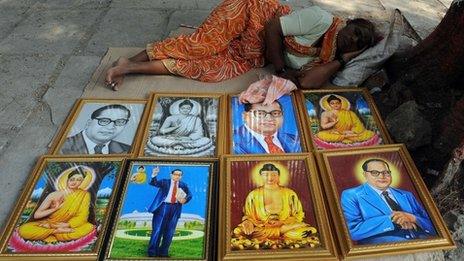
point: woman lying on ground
(306, 46)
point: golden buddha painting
(271, 206)
(66, 209)
(342, 120)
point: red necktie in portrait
(174, 192)
(273, 148)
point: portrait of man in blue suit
(166, 209)
(377, 213)
(261, 130)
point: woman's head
(75, 178)
(356, 35)
(334, 102)
(185, 107)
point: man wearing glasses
(104, 125)
(260, 132)
(377, 213)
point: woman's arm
(318, 75)
(274, 50)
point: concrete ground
(50, 48)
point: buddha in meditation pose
(273, 217)
(339, 123)
(182, 132)
(63, 214)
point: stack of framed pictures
(205, 177)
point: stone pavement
(50, 48)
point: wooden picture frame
(118, 140)
(199, 134)
(352, 127)
(247, 130)
(366, 221)
(140, 209)
(303, 229)
(63, 211)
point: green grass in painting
(182, 249)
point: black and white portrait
(183, 126)
(103, 128)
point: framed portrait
(181, 125)
(167, 209)
(273, 209)
(63, 211)
(263, 128)
(379, 203)
(101, 127)
(341, 118)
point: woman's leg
(226, 22)
(115, 75)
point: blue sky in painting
(361, 106)
(140, 196)
(106, 183)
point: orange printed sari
(229, 43)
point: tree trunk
(432, 74)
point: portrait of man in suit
(97, 137)
(261, 131)
(377, 213)
(166, 208)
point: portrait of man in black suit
(97, 137)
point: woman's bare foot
(115, 75)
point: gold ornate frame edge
(60, 137)
(347, 248)
(224, 253)
(25, 195)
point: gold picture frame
(76, 143)
(30, 237)
(364, 125)
(289, 133)
(304, 190)
(201, 177)
(350, 189)
(199, 148)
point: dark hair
(186, 102)
(98, 111)
(364, 165)
(249, 106)
(141, 167)
(333, 98)
(76, 171)
(365, 32)
(269, 167)
(172, 172)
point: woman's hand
(350, 55)
(292, 75)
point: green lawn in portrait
(181, 249)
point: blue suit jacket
(369, 218)
(246, 143)
(163, 185)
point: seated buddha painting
(183, 126)
(271, 206)
(67, 209)
(342, 120)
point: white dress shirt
(91, 145)
(263, 143)
(382, 197)
(171, 187)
